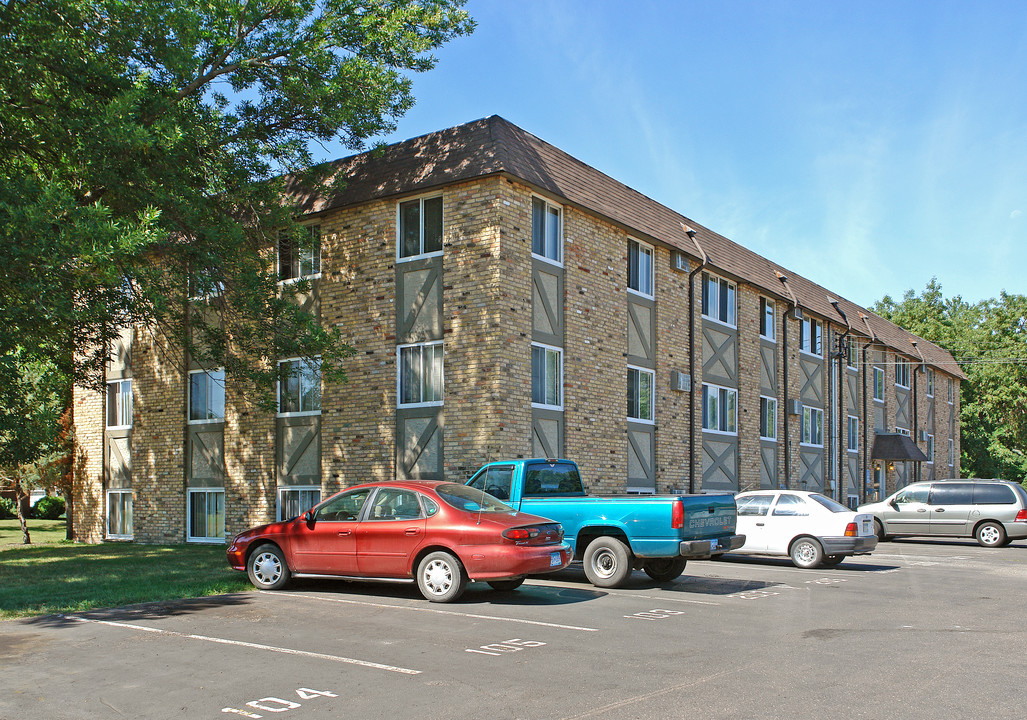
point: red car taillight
(851, 530)
(677, 515)
(521, 533)
(1021, 516)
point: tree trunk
(19, 497)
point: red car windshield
(470, 499)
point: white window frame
(652, 393)
(878, 372)
(210, 381)
(282, 489)
(559, 386)
(399, 229)
(930, 449)
(768, 304)
(278, 385)
(852, 439)
(930, 382)
(806, 336)
(705, 414)
(121, 411)
(723, 286)
(766, 401)
(546, 208)
(208, 539)
(852, 359)
(902, 431)
(399, 375)
(314, 256)
(902, 368)
(651, 253)
(107, 519)
(808, 414)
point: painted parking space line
(252, 646)
(428, 610)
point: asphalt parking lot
(918, 629)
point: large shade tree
(142, 144)
(989, 341)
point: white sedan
(809, 527)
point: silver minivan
(993, 511)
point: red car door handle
(413, 531)
(343, 533)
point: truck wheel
(664, 569)
(607, 562)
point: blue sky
(868, 146)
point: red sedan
(442, 534)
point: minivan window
(913, 493)
(989, 494)
(951, 494)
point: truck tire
(607, 562)
(664, 569)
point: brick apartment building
(508, 300)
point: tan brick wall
(250, 490)
(672, 406)
(748, 388)
(88, 500)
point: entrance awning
(895, 446)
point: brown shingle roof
(493, 145)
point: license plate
(714, 544)
(555, 559)
(866, 527)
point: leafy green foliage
(48, 507)
(7, 511)
(142, 145)
(989, 341)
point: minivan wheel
(991, 534)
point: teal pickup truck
(615, 534)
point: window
(791, 505)
(546, 376)
(394, 504)
(812, 426)
(768, 418)
(810, 337)
(420, 227)
(119, 514)
(345, 507)
(768, 313)
(853, 351)
(205, 283)
(640, 394)
(901, 372)
(952, 391)
(930, 382)
(993, 494)
(902, 431)
(718, 299)
(757, 505)
(294, 501)
(119, 404)
(546, 230)
(300, 256)
(853, 444)
(207, 515)
(879, 384)
(930, 449)
(206, 396)
(719, 409)
(421, 374)
(496, 480)
(299, 386)
(552, 479)
(951, 494)
(952, 452)
(640, 268)
(913, 494)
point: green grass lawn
(58, 576)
